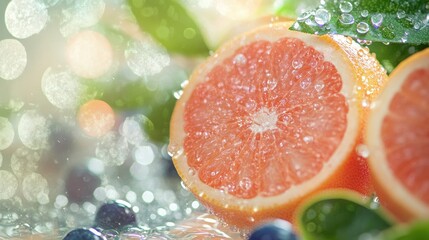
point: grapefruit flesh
(270, 119)
(263, 128)
(398, 139)
(405, 133)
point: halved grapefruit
(398, 140)
(271, 118)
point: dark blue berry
(115, 215)
(84, 234)
(80, 184)
(275, 230)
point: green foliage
(169, 23)
(340, 218)
(392, 54)
(414, 231)
(375, 20)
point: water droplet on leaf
(377, 20)
(364, 13)
(347, 19)
(346, 7)
(362, 27)
(322, 16)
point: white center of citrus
(263, 120)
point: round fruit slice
(398, 139)
(271, 118)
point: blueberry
(80, 184)
(115, 215)
(84, 234)
(274, 230)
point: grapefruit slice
(398, 140)
(271, 118)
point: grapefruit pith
(271, 118)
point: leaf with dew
(375, 20)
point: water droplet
(400, 14)
(239, 59)
(245, 183)
(322, 16)
(346, 7)
(387, 33)
(191, 172)
(362, 27)
(364, 13)
(178, 94)
(347, 19)
(308, 139)
(319, 86)
(374, 204)
(304, 16)
(310, 22)
(366, 103)
(362, 150)
(311, 214)
(377, 20)
(250, 104)
(297, 63)
(417, 25)
(305, 83)
(311, 227)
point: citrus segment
(271, 118)
(398, 137)
(280, 117)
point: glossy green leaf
(414, 231)
(375, 20)
(392, 54)
(340, 218)
(169, 23)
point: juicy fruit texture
(285, 119)
(407, 122)
(273, 117)
(398, 137)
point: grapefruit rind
(393, 194)
(245, 212)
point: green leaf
(340, 217)
(169, 23)
(392, 54)
(414, 231)
(152, 97)
(375, 20)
